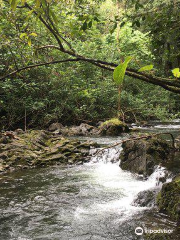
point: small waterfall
(159, 176)
(133, 187)
(106, 155)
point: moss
(177, 179)
(114, 121)
(113, 127)
(168, 199)
(39, 148)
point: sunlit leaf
(22, 35)
(14, 4)
(120, 70)
(29, 41)
(146, 68)
(33, 34)
(176, 72)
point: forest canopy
(57, 60)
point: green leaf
(22, 35)
(14, 4)
(23, 2)
(146, 68)
(176, 72)
(33, 34)
(120, 70)
(29, 41)
(122, 24)
(90, 24)
(38, 3)
(84, 26)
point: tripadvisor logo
(140, 231)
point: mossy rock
(168, 200)
(41, 148)
(141, 156)
(113, 127)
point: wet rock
(141, 156)
(146, 198)
(83, 129)
(168, 200)
(113, 127)
(55, 126)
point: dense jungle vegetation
(57, 59)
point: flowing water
(90, 201)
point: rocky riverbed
(20, 150)
(39, 148)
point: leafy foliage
(80, 92)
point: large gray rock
(83, 129)
(141, 156)
(55, 127)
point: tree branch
(147, 137)
(38, 65)
(168, 84)
(163, 82)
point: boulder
(83, 129)
(168, 200)
(55, 127)
(113, 127)
(141, 156)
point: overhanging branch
(37, 65)
(168, 84)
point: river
(82, 202)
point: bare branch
(147, 137)
(38, 65)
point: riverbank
(39, 148)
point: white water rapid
(92, 201)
